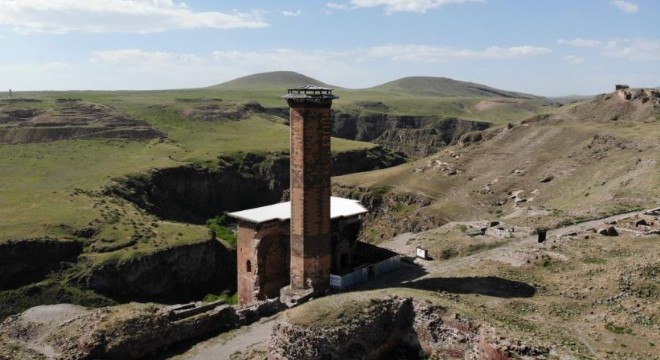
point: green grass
(217, 225)
(225, 296)
(39, 180)
(53, 189)
(594, 260)
(49, 291)
(616, 329)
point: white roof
(339, 207)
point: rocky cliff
(390, 212)
(193, 194)
(347, 327)
(27, 261)
(176, 274)
(416, 136)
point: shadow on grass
(489, 285)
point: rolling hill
(445, 87)
(412, 86)
(275, 79)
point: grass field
(44, 186)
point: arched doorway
(275, 259)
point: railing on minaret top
(309, 93)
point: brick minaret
(311, 253)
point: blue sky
(545, 47)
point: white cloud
(579, 42)
(312, 62)
(140, 16)
(628, 48)
(134, 68)
(336, 6)
(574, 60)
(633, 49)
(625, 6)
(289, 13)
(391, 6)
(426, 53)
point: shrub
(617, 329)
(228, 299)
(217, 225)
(594, 260)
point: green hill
(274, 79)
(445, 87)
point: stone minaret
(311, 252)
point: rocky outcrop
(382, 328)
(176, 274)
(71, 120)
(129, 331)
(390, 212)
(26, 261)
(193, 194)
(214, 111)
(412, 142)
(416, 136)
(378, 157)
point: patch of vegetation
(448, 253)
(594, 260)
(566, 311)
(224, 296)
(516, 322)
(620, 208)
(616, 329)
(482, 246)
(47, 292)
(380, 192)
(573, 220)
(218, 225)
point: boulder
(609, 231)
(547, 179)
(641, 222)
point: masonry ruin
(291, 250)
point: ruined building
(291, 249)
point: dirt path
(226, 344)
